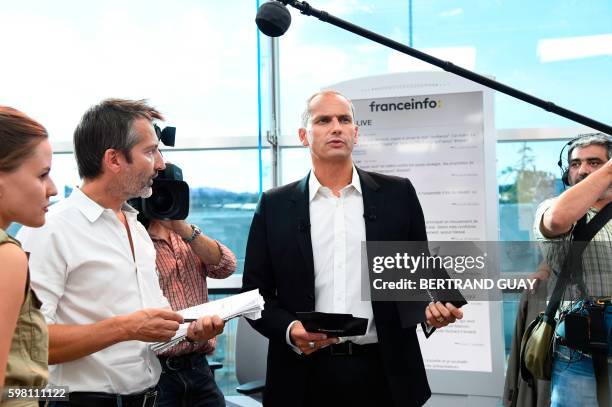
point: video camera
(585, 326)
(170, 198)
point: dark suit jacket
(279, 263)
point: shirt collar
(314, 185)
(92, 210)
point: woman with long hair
(25, 188)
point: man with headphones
(589, 176)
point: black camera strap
(598, 345)
(582, 234)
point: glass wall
(225, 354)
(527, 174)
(224, 190)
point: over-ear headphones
(565, 168)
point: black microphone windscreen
(273, 19)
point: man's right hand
(305, 340)
(151, 324)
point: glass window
(224, 190)
(225, 353)
(295, 164)
(510, 306)
(527, 174)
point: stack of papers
(249, 305)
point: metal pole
(275, 129)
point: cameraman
(589, 175)
(185, 257)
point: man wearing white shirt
(304, 253)
(93, 266)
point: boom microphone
(273, 19)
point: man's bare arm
(71, 342)
(576, 201)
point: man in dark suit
(304, 253)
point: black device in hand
(333, 325)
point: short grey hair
(306, 115)
(591, 139)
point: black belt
(182, 362)
(94, 399)
(348, 349)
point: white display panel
(437, 144)
(438, 130)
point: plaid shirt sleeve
(226, 266)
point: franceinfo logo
(412, 104)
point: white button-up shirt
(337, 228)
(83, 271)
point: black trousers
(187, 381)
(355, 380)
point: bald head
(307, 114)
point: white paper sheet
(248, 304)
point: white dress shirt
(337, 228)
(83, 271)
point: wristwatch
(195, 232)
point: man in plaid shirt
(185, 257)
(589, 175)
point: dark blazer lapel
(299, 210)
(373, 206)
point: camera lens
(170, 198)
(162, 200)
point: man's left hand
(205, 328)
(439, 315)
